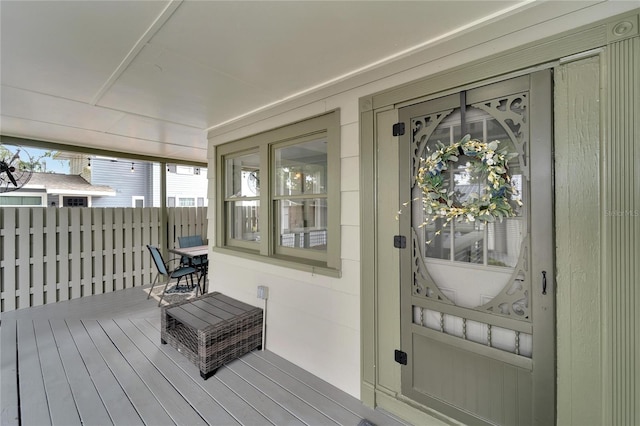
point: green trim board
(620, 222)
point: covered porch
(181, 81)
(99, 360)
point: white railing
(49, 255)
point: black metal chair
(164, 271)
(192, 241)
(201, 263)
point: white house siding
(188, 186)
(179, 185)
(312, 320)
(127, 185)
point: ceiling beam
(12, 140)
(137, 48)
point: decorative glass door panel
(491, 244)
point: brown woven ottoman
(212, 330)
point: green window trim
(262, 204)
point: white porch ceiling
(151, 77)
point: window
(137, 201)
(184, 170)
(19, 200)
(279, 195)
(242, 200)
(75, 202)
(300, 196)
(186, 202)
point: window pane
(243, 176)
(20, 201)
(438, 237)
(302, 168)
(243, 223)
(497, 244)
(303, 223)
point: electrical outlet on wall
(263, 292)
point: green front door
(477, 297)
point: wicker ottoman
(212, 330)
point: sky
(52, 165)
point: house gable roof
(58, 183)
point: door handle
(544, 282)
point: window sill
(285, 262)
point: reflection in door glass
(490, 244)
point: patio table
(193, 252)
(211, 330)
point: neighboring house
(57, 190)
(137, 184)
(186, 186)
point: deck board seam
(258, 389)
(26, 332)
(155, 382)
(128, 382)
(307, 393)
(255, 375)
(101, 377)
(382, 417)
(182, 362)
(78, 376)
(56, 380)
(267, 416)
(9, 379)
(187, 379)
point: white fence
(54, 254)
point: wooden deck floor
(99, 361)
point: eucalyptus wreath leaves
(496, 199)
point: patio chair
(191, 241)
(200, 262)
(163, 270)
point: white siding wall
(187, 186)
(313, 320)
(194, 186)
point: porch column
(164, 221)
(621, 226)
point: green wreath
(499, 195)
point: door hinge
(400, 357)
(400, 241)
(398, 129)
